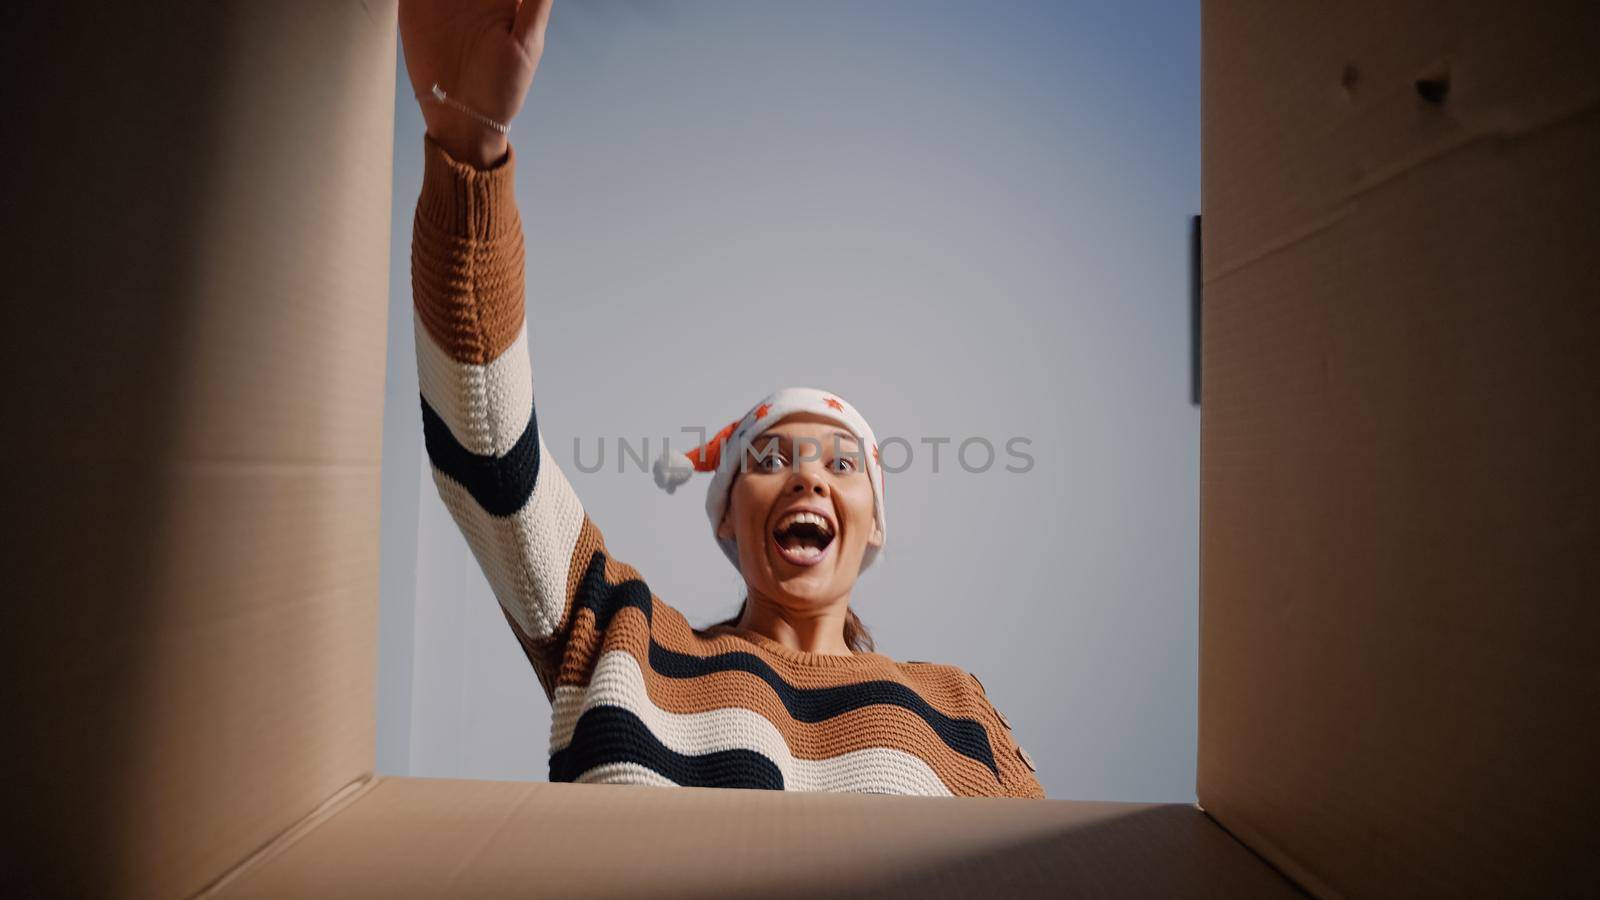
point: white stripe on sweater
(526, 556)
(486, 407)
(619, 682)
(625, 773)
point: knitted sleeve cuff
(478, 204)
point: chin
(809, 587)
(818, 582)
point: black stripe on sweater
(500, 484)
(965, 736)
(610, 734)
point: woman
(787, 695)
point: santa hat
(674, 469)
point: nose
(808, 481)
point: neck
(809, 631)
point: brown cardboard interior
(197, 241)
(1398, 442)
(412, 837)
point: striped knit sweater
(638, 696)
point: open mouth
(803, 537)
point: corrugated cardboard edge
(1258, 842)
(1274, 858)
(1376, 180)
(341, 800)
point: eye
(843, 464)
(771, 462)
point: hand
(481, 52)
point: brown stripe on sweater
(478, 204)
(617, 571)
(468, 295)
(583, 649)
(876, 726)
(589, 540)
(949, 695)
(942, 687)
(467, 258)
(1018, 779)
(854, 730)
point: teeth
(796, 518)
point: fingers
(532, 17)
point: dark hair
(856, 636)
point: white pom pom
(671, 470)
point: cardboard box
(1399, 492)
(1399, 489)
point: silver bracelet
(442, 97)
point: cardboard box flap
(197, 240)
(412, 837)
(1398, 445)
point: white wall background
(971, 220)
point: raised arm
(516, 509)
(509, 498)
